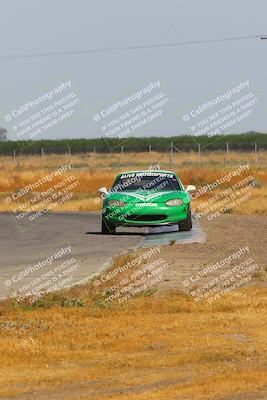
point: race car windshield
(153, 182)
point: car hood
(148, 196)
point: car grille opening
(146, 217)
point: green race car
(146, 198)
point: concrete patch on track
(165, 234)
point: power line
(125, 48)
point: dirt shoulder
(225, 236)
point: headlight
(116, 203)
(175, 202)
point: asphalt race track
(24, 244)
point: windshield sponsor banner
(147, 174)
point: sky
(181, 78)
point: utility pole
(42, 155)
(256, 152)
(69, 153)
(15, 158)
(199, 154)
(171, 157)
(226, 153)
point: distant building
(3, 134)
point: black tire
(186, 225)
(108, 228)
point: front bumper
(146, 215)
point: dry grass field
(163, 345)
(92, 171)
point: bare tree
(3, 134)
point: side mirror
(191, 188)
(103, 190)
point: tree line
(236, 142)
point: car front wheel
(186, 225)
(108, 228)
